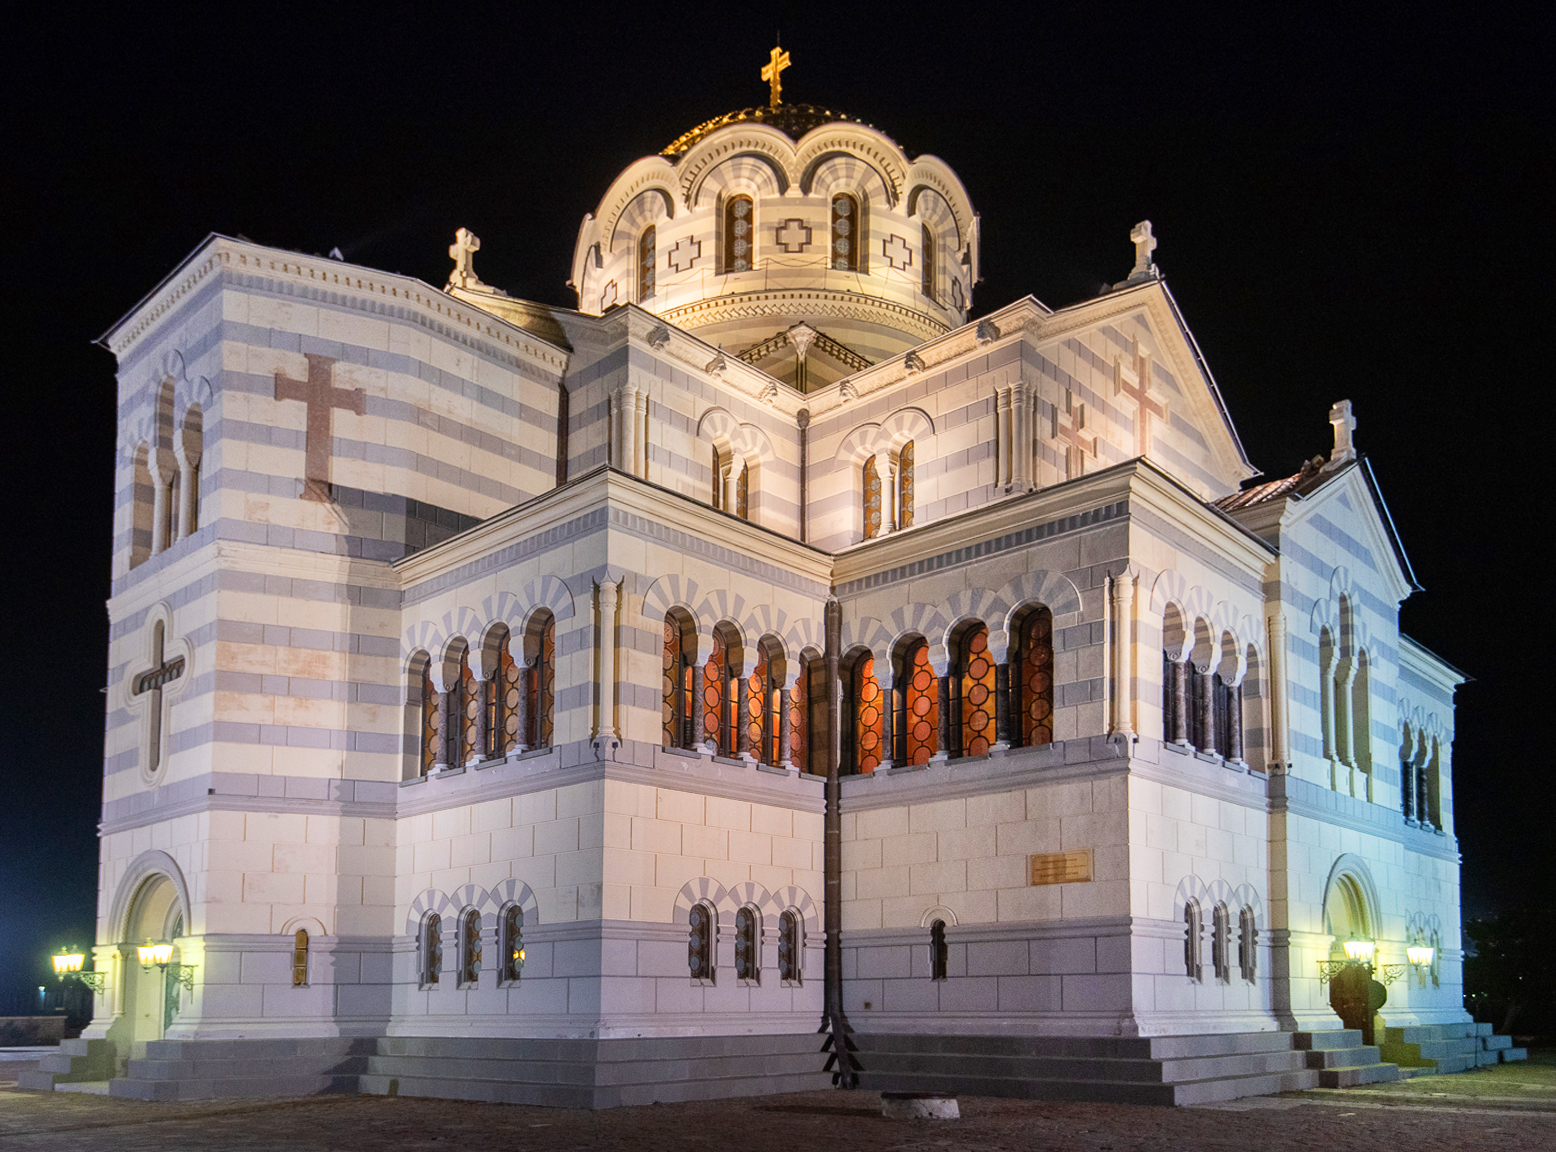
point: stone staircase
(1441, 1049)
(93, 1062)
(1342, 1060)
(1157, 1070)
(202, 1069)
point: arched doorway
(1348, 914)
(151, 997)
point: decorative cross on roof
(1145, 244)
(466, 245)
(777, 62)
(321, 396)
(1137, 386)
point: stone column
(742, 718)
(483, 697)
(785, 728)
(1234, 725)
(440, 761)
(1003, 474)
(640, 436)
(613, 429)
(802, 418)
(1002, 705)
(888, 725)
(1021, 435)
(1123, 656)
(1279, 753)
(1204, 728)
(159, 505)
(521, 713)
(187, 496)
(889, 497)
(731, 481)
(605, 735)
(1179, 720)
(943, 741)
(1424, 794)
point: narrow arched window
(743, 492)
(862, 751)
(872, 499)
(678, 685)
(918, 717)
(192, 450)
(1221, 714)
(845, 233)
(718, 479)
(1193, 932)
(142, 504)
(300, 959)
(1201, 708)
(905, 485)
(512, 943)
(939, 952)
(790, 943)
(972, 721)
(748, 944)
(646, 258)
(763, 706)
(430, 737)
(1247, 944)
(739, 234)
(699, 942)
(539, 680)
(1221, 942)
(432, 949)
(170, 508)
(470, 949)
(799, 714)
(927, 262)
(469, 727)
(503, 726)
(1032, 680)
(718, 697)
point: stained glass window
(872, 500)
(1247, 944)
(939, 953)
(1034, 680)
(757, 690)
(512, 943)
(646, 259)
(927, 263)
(432, 950)
(469, 712)
(748, 959)
(715, 691)
(799, 733)
(300, 958)
(699, 942)
(545, 680)
(845, 233)
(739, 234)
(867, 703)
(976, 693)
(506, 697)
(743, 493)
(470, 948)
(429, 722)
(790, 942)
(920, 725)
(670, 685)
(718, 479)
(905, 485)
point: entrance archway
(1350, 913)
(150, 997)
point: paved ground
(1505, 1107)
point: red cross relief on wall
(322, 397)
(1137, 386)
(1067, 426)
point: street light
(68, 964)
(1421, 955)
(1358, 950)
(159, 954)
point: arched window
(150, 684)
(862, 718)
(1361, 718)
(699, 942)
(1032, 679)
(505, 703)
(939, 953)
(748, 945)
(432, 949)
(872, 500)
(679, 683)
(1247, 944)
(1407, 778)
(927, 262)
(799, 713)
(1221, 942)
(846, 229)
(743, 492)
(718, 697)
(739, 234)
(972, 703)
(300, 959)
(646, 258)
(191, 444)
(427, 704)
(905, 485)
(534, 684)
(470, 949)
(142, 504)
(918, 715)
(764, 697)
(1226, 708)
(512, 943)
(1193, 932)
(791, 943)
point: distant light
(67, 961)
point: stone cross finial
(1145, 244)
(466, 245)
(777, 62)
(1344, 433)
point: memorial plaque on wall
(1061, 867)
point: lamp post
(159, 954)
(1359, 953)
(68, 964)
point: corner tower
(798, 238)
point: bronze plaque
(1062, 867)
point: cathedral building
(586, 706)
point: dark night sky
(1348, 205)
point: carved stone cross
(897, 252)
(793, 235)
(321, 396)
(1068, 427)
(1344, 424)
(466, 245)
(1145, 244)
(771, 72)
(1138, 389)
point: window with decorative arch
(1248, 944)
(1193, 934)
(847, 226)
(470, 949)
(799, 717)
(863, 717)
(905, 485)
(1032, 679)
(300, 958)
(647, 256)
(739, 234)
(678, 686)
(972, 696)
(507, 702)
(872, 499)
(738, 501)
(791, 944)
(939, 951)
(764, 697)
(927, 262)
(720, 678)
(748, 944)
(431, 949)
(511, 946)
(429, 737)
(1221, 942)
(700, 938)
(538, 680)
(459, 744)
(917, 730)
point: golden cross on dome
(777, 62)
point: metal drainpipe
(841, 1061)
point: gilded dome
(793, 120)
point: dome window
(927, 262)
(739, 234)
(845, 233)
(647, 255)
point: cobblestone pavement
(1509, 1107)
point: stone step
(1080, 1047)
(1343, 1057)
(86, 1087)
(1127, 1070)
(1495, 1043)
(1334, 1038)
(1357, 1074)
(1511, 1054)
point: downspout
(839, 1044)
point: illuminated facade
(477, 666)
